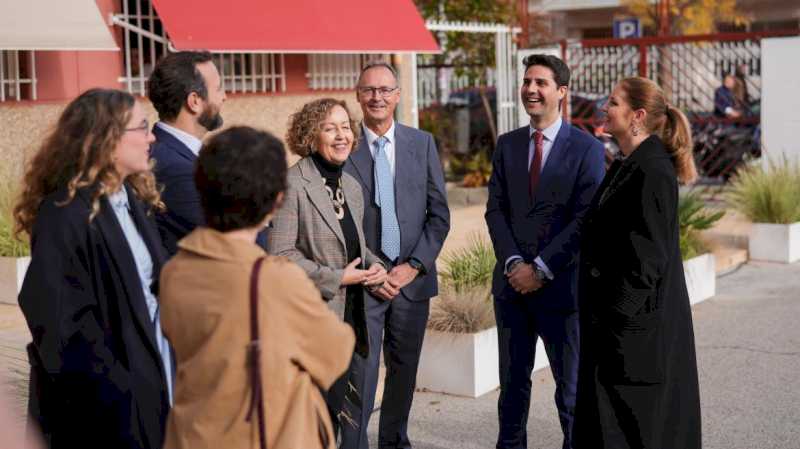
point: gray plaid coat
(306, 230)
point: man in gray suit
(406, 220)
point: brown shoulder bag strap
(254, 358)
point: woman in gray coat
(319, 228)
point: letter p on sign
(627, 28)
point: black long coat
(96, 375)
(637, 382)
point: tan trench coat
(205, 314)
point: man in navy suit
(543, 179)
(406, 220)
(186, 90)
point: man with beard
(543, 179)
(186, 90)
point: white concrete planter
(12, 273)
(464, 364)
(701, 277)
(775, 242)
(461, 364)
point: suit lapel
(126, 268)
(171, 141)
(363, 164)
(519, 175)
(556, 158)
(150, 237)
(403, 165)
(315, 188)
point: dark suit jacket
(636, 324)
(96, 380)
(548, 226)
(174, 171)
(420, 201)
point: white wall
(780, 97)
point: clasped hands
(380, 283)
(523, 279)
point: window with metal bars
(17, 75)
(146, 42)
(338, 71)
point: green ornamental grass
(464, 303)
(770, 195)
(10, 246)
(693, 217)
(469, 267)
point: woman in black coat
(637, 382)
(100, 367)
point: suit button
(594, 272)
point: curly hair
(240, 174)
(304, 125)
(78, 153)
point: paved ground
(748, 353)
(748, 346)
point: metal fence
(690, 69)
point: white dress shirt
(389, 148)
(191, 142)
(550, 134)
(144, 268)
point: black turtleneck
(332, 175)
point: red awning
(296, 26)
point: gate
(690, 69)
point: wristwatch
(417, 265)
(540, 274)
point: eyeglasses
(382, 91)
(144, 128)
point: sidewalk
(748, 352)
(727, 240)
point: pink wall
(63, 75)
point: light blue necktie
(384, 197)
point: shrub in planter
(770, 197)
(699, 266)
(767, 195)
(469, 267)
(693, 217)
(459, 353)
(13, 251)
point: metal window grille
(146, 42)
(338, 71)
(17, 75)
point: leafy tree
(687, 16)
(470, 54)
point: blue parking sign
(627, 28)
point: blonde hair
(665, 121)
(79, 153)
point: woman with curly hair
(101, 369)
(319, 227)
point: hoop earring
(635, 131)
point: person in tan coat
(206, 313)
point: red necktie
(536, 163)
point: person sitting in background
(254, 342)
(726, 105)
